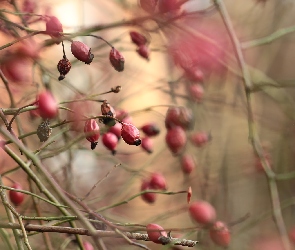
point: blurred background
(227, 172)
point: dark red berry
(187, 163)
(147, 197)
(116, 130)
(138, 38)
(220, 234)
(178, 116)
(199, 139)
(63, 68)
(130, 134)
(158, 181)
(176, 139)
(150, 129)
(53, 27)
(155, 235)
(16, 198)
(143, 51)
(48, 107)
(147, 144)
(117, 60)
(110, 141)
(202, 212)
(92, 131)
(82, 52)
(149, 5)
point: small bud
(108, 110)
(116, 90)
(117, 60)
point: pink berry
(150, 129)
(168, 5)
(187, 164)
(130, 134)
(158, 181)
(110, 141)
(149, 5)
(147, 144)
(147, 197)
(196, 92)
(178, 116)
(176, 139)
(82, 52)
(138, 38)
(17, 70)
(220, 234)
(199, 139)
(92, 131)
(16, 198)
(53, 27)
(143, 51)
(117, 60)
(202, 212)
(116, 130)
(48, 108)
(194, 74)
(153, 234)
(87, 245)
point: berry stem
(99, 37)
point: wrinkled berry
(117, 60)
(82, 52)
(63, 68)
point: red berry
(220, 234)
(130, 134)
(196, 92)
(16, 197)
(168, 5)
(82, 52)
(176, 139)
(48, 108)
(149, 5)
(147, 197)
(17, 70)
(117, 60)
(147, 144)
(92, 130)
(158, 181)
(63, 68)
(110, 141)
(116, 130)
(137, 38)
(150, 129)
(178, 116)
(53, 27)
(187, 164)
(87, 245)
(202, 212)
(153, 234)
(199, 139)
(143, 51)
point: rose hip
(158, 181)
(48, 108)
(82, 52)
(150, 129)
(147, 197)
(176, 139)
(153, 234)
(220, 234)
(16, 198)
(110, 141)
(117, 60)
(187, 163)
(130, 134)
(138, 38)
(202, 212)
(147, 144)
(92, 131)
